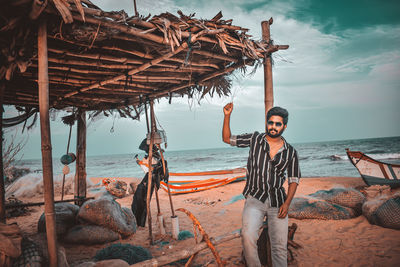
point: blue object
(68, 158)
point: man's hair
(278, 111)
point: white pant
(253, 217)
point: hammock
(199, 181)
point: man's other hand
(283, 211)
(228, 109)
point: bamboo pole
(144, 66)
(80, 173)
(150, 176)
(10, 206)
(2, 186)
(47, 163)
(268, 85)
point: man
(270, 156)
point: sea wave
(383, 156)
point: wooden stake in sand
(47, 162)
(150, 176)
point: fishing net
(185, 234)
(387, 214)
(65, 214)
(31, 255)
(127, 252)
(90, 234)
(309, 208)
(347, 197)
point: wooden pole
(268, 86)
(80, 173)
(63, 181)
(136, 12)
(2, 186)
(150, 176)
(47, 163)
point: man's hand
(283, 210)
(228, 109)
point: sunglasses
(271, 123)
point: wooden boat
(181, 183)
(375, 172)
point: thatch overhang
(101, 60)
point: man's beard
(276, 134)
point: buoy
(65, 170)
(68, 158)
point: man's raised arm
(226, 129)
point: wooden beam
(80, 170)
(2, 186)
(47, 162)
(268, 84)
(144, 66)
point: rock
(90, 234)
(112, 263)
(65, 214)
(106, 212)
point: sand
(353, 242)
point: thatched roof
(105, 60)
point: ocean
(316, 159)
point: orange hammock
(219, 178)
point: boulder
(90, 234)
(65, 214)
(106, 212)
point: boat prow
(375, 172)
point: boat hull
(375, 172)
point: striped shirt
(265, 176)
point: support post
(150, 176)
(2, 186)
(47, 163)
(268, 86)
(80, 172)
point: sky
(339, 79)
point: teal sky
(340, 78)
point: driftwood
(163, 260)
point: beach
(352, 242)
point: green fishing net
(127, 252)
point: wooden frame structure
(57, 54)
